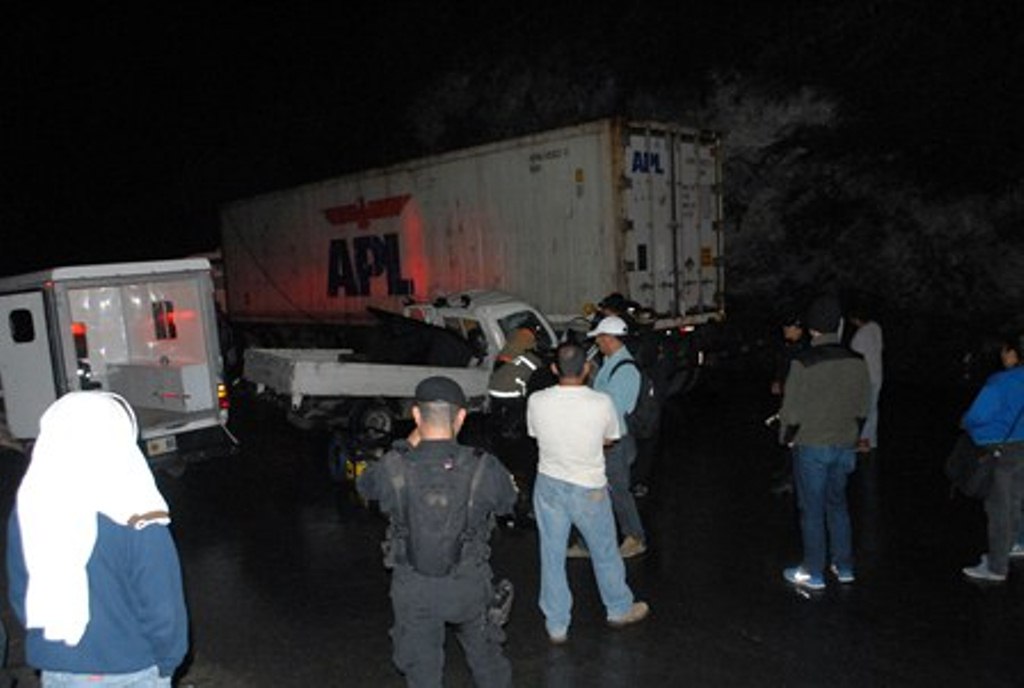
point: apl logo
(350, 268)
(647, 162)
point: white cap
(613, 325)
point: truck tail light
(222, 397)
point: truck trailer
(559, 218)
(145, 330)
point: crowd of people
(94, 577)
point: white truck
(144, 330)
(368, 391)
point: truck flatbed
(301, 373)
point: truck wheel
(373, 420)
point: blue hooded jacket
(997, 414)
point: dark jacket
(443, 468)
(137, 615)
(827, 395)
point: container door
(672, 212)
(26, 369)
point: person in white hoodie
(93, 573)
(867, 341)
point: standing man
(867, 341)
(440, 498)
(824, 406)
(573, 424)
(619, 378)
(995, 421)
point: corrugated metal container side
(559, 218)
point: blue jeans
(617, 461)
(147, 678)
(558, 506)
(820, 474)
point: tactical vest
(431, 527)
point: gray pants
(1003, 506)
(618, 458)
(423, 608)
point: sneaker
(638, 612)
(800, 578)
(782, 487)
(1017, 551)
(631, 547)
(983, 572)
(843, 575)
(577, 551)
(559, 638)
(640, 490)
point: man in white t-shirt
(572, 424)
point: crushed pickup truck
(369, 390)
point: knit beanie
(824, 315)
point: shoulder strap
(628, 361)
(393, 465)
(474, 484)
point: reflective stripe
(504, 395)
(523, 359)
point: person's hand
(776, 389)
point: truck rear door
(26, 367)
(673, 207)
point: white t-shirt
(571, 424)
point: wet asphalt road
(286, 587)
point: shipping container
(559, 218)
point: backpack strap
(628, 361)
(399, 477)
(474, 486)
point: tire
(373, 420)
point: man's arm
(501, 485)
(792, 402)
(612, 428)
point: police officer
(509, 384)
(441, 499)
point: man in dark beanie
(826, 401)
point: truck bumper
(196, 445)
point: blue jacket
(137, 616)
(623, 387)
(1000, 403)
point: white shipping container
(560, 219)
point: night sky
(124, 128)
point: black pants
(423, 608)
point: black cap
(824, 315)
(440, 388)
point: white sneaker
(983, 572)
(1017, 551)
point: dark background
(867, 142)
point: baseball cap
(440, 388)
(613, 325)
